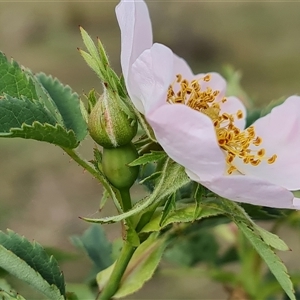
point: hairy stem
(121, 264)
(126, 199)
(86, 165)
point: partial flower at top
(203, 130)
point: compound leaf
(30, 262)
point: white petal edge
(252, 190)
(280, 131)
(136, 31)
(181, 67)
(149, 78)
(296, 203)
(189, 138)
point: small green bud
(109, 123)
(115, 166)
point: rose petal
(280, 131)
(189, 138)
(296, 203)
(249, 189)
(181, 67)
(216, 83)
(150, 77)
(136, 31)
(232, 106)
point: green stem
(121, 264)
(87, 166)
(126, 199)
(82, 162)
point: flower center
(235, 142)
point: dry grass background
(42, 192)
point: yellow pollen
(235, 142)
(272, 159)
(207, 78)
(239, 114)
(257, 141)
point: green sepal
(92, 100)
(153, 156)
(172, 178)
(169, 207)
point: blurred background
(42, 192)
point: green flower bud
(115, 166)
(110, 123)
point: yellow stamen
(231, 139)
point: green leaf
(272, 239)
(30, 262)
(148, 157)
(198, 198)
(68, 104)
(237, 213)
(271, 105)
(4, 295)
(252, 116)
(95, 243)
(15, 112)
(140, 269)
(173, 178)
(184, 214)
(103, 199)
(44, 132)
(7, 293)
(190, 248)
(38, 107)
(14, 81)
(233, 79)
(151, 177)
(82, 291)
(272, 260)
(169, 207)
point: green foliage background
(42, 192)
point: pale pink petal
(181, 67)
(189, 138)
(216, 83)
(150, 77)
(280, 131)
(296, 203)
(136, 31)
(232, 106)
(249, 189)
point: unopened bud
(110, 125)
